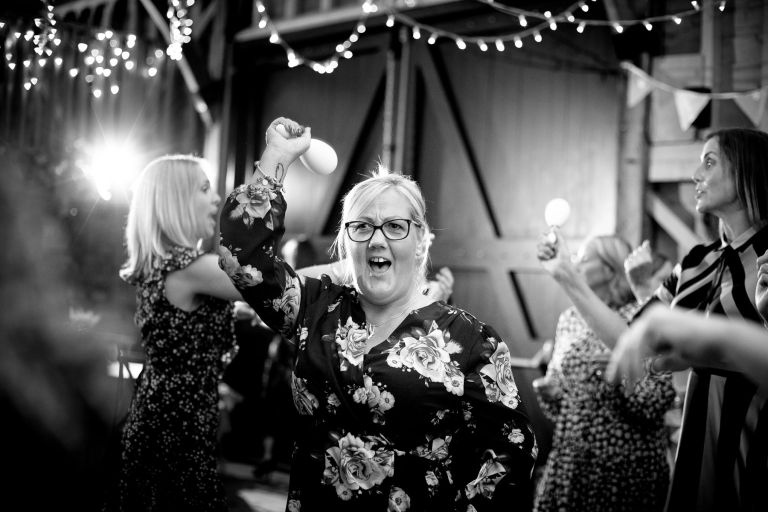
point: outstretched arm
(678, 339)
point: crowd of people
(383, 394)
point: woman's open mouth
(378, 264)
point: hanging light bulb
(618, 28)
(721, 5)
(416, 33)
(518, 42)
(580, 28)
(677, 19)
(648, 26)
(483, 47)
(460, 43)
(432, 38)
(524, 22)
(537, 37)
(390, 21)
(500, 45)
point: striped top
(721, 458)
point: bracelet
(274, 182)
(279, 173)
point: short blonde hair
(362, 195)
(162, 213)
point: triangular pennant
(689, 105)
(637, 89)
(753, 104)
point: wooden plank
(684, 236)
(673, 162)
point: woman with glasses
(609, 450)
(406, 403)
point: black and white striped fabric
(721, 461)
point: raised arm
(556, 259)
(252, 224)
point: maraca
(320, 158)
(556, 213)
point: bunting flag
(753, 104)
(689, 105)
(637, 89)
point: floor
(247, 493)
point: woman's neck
(735, 224)
(378, 313)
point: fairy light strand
(533, 25)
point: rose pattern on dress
(490, 473)
(351, 339)
(435, 449)
(399, 501)
(288, 302)
(357, 466)
(378, 401)
(430, 356)
(498, 380)
(304, 401)
(242, 276)
(254, 202)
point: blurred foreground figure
(55, 395)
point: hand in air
(554, 255)
(441, 287)
(288, 137)
(639, 265)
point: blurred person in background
(609, 449)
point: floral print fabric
(169, 458)
(608, 449)
(428, 420)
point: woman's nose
(696, 175)
(377, 238)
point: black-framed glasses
(393, 229)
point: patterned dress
(428, 420)
(169, 457)
(608, 450)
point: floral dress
(609, 451)
(169, 457)
(428, 420)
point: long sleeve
(504, 450)
(252, 224)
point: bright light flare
(111, 167)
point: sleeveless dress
(169, 454)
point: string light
(179, 25)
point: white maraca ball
(319, 158)
(557, 212)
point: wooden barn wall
(491, 137)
